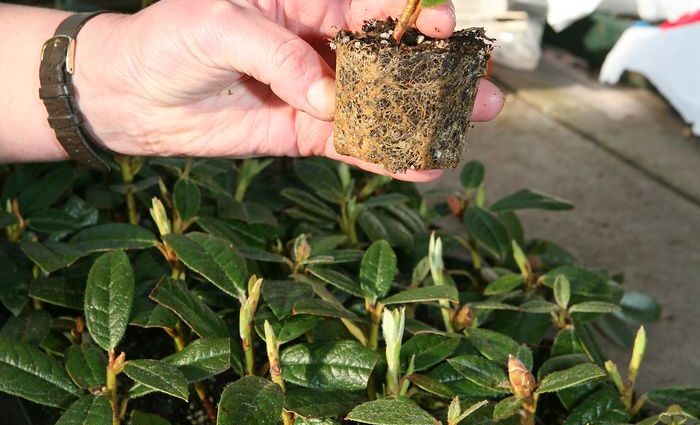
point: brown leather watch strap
(55, 76)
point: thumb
(271, 54)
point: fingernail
(321, 97)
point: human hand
(229, 78)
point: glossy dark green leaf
(109, 296)
(30, 373)
(432, 386)
(429, 349)
(482, 372)
(148, 314)
(472, 174)
(248, 212)
(86, 365)
(88, 410)
(280, 295)
(251, 401)
(640, 307)
(506, 408)
(44, 192)
(257, 254)
(158, 375)
(113, 236)
(14, 281)
(384, 200)
(59, 291)
(30, 326)
(488, 231)
(570, 397)
(343, 365)
(187, 198)
(174, 295)
(141, 418)
(567, 342)
(686, 397)
(287, 329)
(390, 411)
(372, 226)
(497, 347)
(316, 404)
(319, 307)
(572, 377)
(585, 285)
(319, 178)
(397, 234)
(464, 388)
(214, 258)
(53, 221)
(504, 284)
(202, 358)
(309, 203)
(51, 256)
(424, 294)
(530, 199)
(337, 279)
(377, 270)
(594, 307)
(539, 306)
(602, 407)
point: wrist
(100, 83)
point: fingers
(275, 56)
(438, 21)
(488, 103)
(417, 176)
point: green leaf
(31, 374)
(187, 198)
(377, 270)
(529, 199)
(594, 307)
(214, 258)
(248, 212)
(321, 179)
(140, 418)
(174, 295)
(569, 378)
(31, 326)
(481, 371)
(504, 284)
(429, 349)
(342, 365)
(424, 294)
(158, 375)
(53, 221)
(88, 410)
(109, 296)
(251, 401)
(86, 365)
(59, 291)
(337, 279)
(506, 408)
(464, 388)
(602, 407)
(202, 358)
(539, 306)
(51, 256)
(686, 397)
(389, 411)
(585, 285)
(113, 236)
(432, 386)
(431, 3)
(44, 192)
(257, 254)
(384, 200)
(567, 342)
(497, 347)
(285, 330)
(280, 295)
(562, 290)
(573, 396)
(640, 308)
(473, 172)
(148, 314)
(6, 219)
(372, 226)
(488, 231)
(319, 307)
(14, 281)
(316, 404)
(309, 203)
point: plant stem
(411, 10)
(128, 172)
(273, 357)
(249, 306)
(112, 388)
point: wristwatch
(57, 93)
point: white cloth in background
(562, 13)
(668, 58)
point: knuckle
(290, 57)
